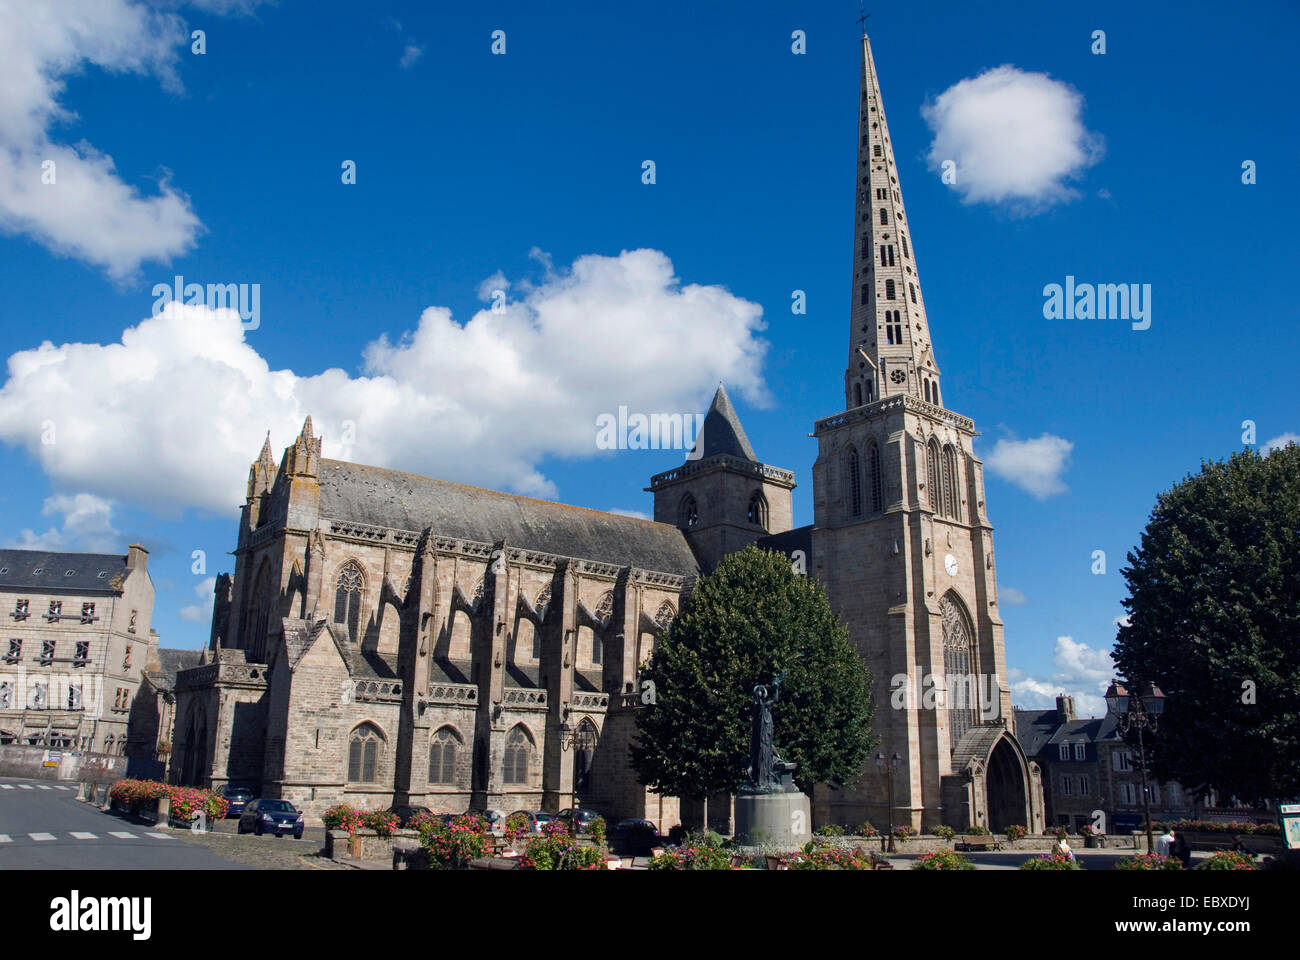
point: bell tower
(902, 542)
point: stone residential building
(78, 640)
(392, 638)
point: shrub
(1149, 861)
(816, 857)
(698, 851)
(903, 834)
(978, 831)
(867, 829)
(1016, 831)
(343, 817)
(1051, 861)
(830, 830)
(942, 860)
(946, 833)
(597, 829)
(1227, 860)
(557, 850)
(453, 845)
(1214, 826)
(380, 821)
(186, 802)
(516, 825)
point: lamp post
(889, 765)
(1140, 711)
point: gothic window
(864, 294)
(927, 390)
(889, 289)
(364, 753)
(889, 334)
(890, 250)
(519, 751)
(902, 237)
(665, 615)
(875, 150)
(584, 753)
(347, 599)
(934, 390)
(932, 477)
(689, 513)
(854, 467)
(880, 193)
(869, 390)
(442, 756)
(912, 288)
(884, 216)
(605, 608)
(884, 258)
(757, 513)
(877, 488)
(857, 394)
(951, 484)
(958, 668)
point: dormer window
(1080, 750)
(1063, 751)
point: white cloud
(1033, 465)
(1016, 138)
(174, 414)
(639, 514)
(88, 212)
(1012, 596)
(1120, 621)
(200, 612)
(1278, 442)
(87, 524)
(411, 55)
(1081, 672)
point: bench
(980, 843)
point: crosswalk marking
(158, 836)
(41, 836)
(43, 787)
(6, 786)
(83, 835)
(122, 835)
(5, 838)
(62, 788)
(25, 786)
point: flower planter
(204, 823)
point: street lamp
(890, 764)
(1140, 711)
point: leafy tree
(1214, 620)
(750, 619)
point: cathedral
(389, 638)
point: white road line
(5, 838)
(122, 835)
(43, 787)
(41, 836)
(6, 786)
(62, 788)
(25, 786)
(157, 836)
(82, 835)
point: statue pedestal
(779, 818)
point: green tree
(750, 619)
(1214, 620)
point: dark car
(635, 837)
(276, 817)
(406, 814)
(537, 819)
(577, 819)
(496, 820)
(237, 798)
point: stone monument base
(779, 818)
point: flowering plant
(828, 858)
(1015, 831)
(1214, 826)
(380, 821)
(517, 824)
(597, 830)
(557, 850)
(702, 851)
(1227, 860)
(343, 817)
(1149, 861)
(867, 829)
(186, 802)
(942, 860)
(453, 845)
(903, 833)
(1051, 861)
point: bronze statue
(768, 773)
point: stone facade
(78, 641)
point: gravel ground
(264, 853)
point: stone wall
(28, 762)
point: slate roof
(171, 662)
(18, 569)
(1034, 729)
(800, 538)
(1040, 732)
(390, 498)
(722, 434)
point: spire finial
(863, 18)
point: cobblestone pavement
(264, 853)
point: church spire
(889, 336)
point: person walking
(1182, 850)
(1165, 842)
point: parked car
(635, 837)
(537, 819)
(276, 817)
(496, 821)
(406, 814)
(577, 819)
(237, 798)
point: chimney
(136, 557)
(1065, 708)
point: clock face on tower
(950, 564)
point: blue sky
(523, 172)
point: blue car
(237, 798)
(276, 817)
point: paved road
(1011, 860)
(44, 827)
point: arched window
(665, 615)
(932, 477)
(934, 392)
(889, 290)
(875, 149)
(857, 394)
(870, 390)
(347, 599)
(519, 751)
(912, 288)
(951, 483)
(853, 466)
(959, 667)
(364, 754)
(688, 513)
(884, 216)
(927, 390)
(903, 238)
(877, 486)
(443, 752)
(757, 513)
(584, 752)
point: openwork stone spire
(889, 336)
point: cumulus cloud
(1012, 596)
(1033, 465)
(410, 56)
(69, 197)
(172, 415)
(1017, 138)
(200, 612)
(1081, 672)
(87, 524)
(1278, 442)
